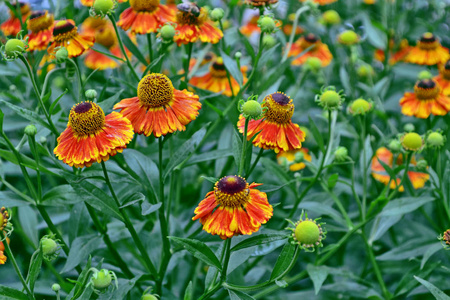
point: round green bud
(341, 154)
(30, 130)
(348, 37)
(307, 232)
(409, 127)
(395, 146)
(365, 71)
(62, 54)
(91, 94)
(56, 287)
(238, 55)
(43, 140)
(331, 17)
(14, 47)
(435, 139)
(252, 108)
(217, 14)
(269, 41)
(299, 156)
(422, 165)
(330, 99)
(49, 246)
(103, 6)
(424, 75)
(167, 32)
(360, 107)
(267, 24)
(12, 88)
(412, 141)
(102, 279)
(314, 63)
(149, 297)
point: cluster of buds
(307, 233)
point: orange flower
(65, 34)
(318, 50)
(290, 157)
(12, 26)
(443, 79)
(145, 16)
(91, 24)
(322, 2)
(251, 26)
(233, 208)
(258, 3)
(91, 137)
(106, 37)
(41, 26)
(193, 24)
(216, 79)
(417, 179)
(428, 51)
(399, 55)
(427, 99)
(159, 109)
(89, 3)
(275, 130)
(2, 249)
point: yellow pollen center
(188, 18)
(41, 23)
(155, 90)
(277, 113)
(86, 118)
(144, 5)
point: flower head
(5, 225)
(443, 79)
(275, 130)
(145, 16)
(3, 257)
(102, 7)
(233, 208)
(445, 239)
(417, 179)
(341, 154)
(159, 108)
(41, 25)
(412, 141)
(251, 109)
(315, 49)
(427, 99)
(428, 51)
(91, 136)
(13, 26)
(294, 159)
(193, 24)
(216, 79)
(307, 233)
(251, 26)
(65, 34)
(258, 3)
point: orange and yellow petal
(322, 2)
(216, 84)
(11, 27)
(320, 51)
(2, 258)
(75, 46)
(205, 32)
(290, 156)
(418, 179)
(83, 151)
(40, 40)
(95, 60)
(419, 56)
(444, 84)
(143, 22)
(411, 106)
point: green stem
(188, 61)
(244, 149)
(80, 80)
(255, 66)
(294, 26)
(122, 48)
(16, 267)
(148, 263)
(38, 94)
(364, 167)
(261, 150)
(405, 175)
(226, 260)
(150, 48)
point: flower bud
(238, 55)
(299, 157)
(101, 279)
(307, 233)
(409, 127)
(412, 141)
(329, 98)
(56, 287)
(424, 75)
(314, 64)
(167, 32)
(30, 130)
(269, 41)
(62, 54)
(435, 140)
(252, 109)
(348, 37)
(14, 47)
(217, 14)
(445, 238)
(360, 107)
(102, 7)
(422, 165)
(149, 297)
(341, 154)
(91, 94)
(331, 17)
(365, 71)
(395, 146)
(49, 246)
(267, 24)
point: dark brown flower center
(217, 68)
(279, 108)
(428, 41)
(231, 191)
(312, 38)
(426, 89)
(39, 21)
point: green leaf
(132, 47)
(430, 251)
(54, 103)
(232, 67)
(81, 282)
(377, 205)
(238, 295)
(316, 134)
(188, 293)
(413, 248)
(318, 274)
(107, 104)
(80, 249)
(210, 179)
(148, 208)
(125, 287)
(440, 295)
(132, 199)
(375, 36)
(28, 221)
(332, 180)
(8, 293)
(97, 198)
(404, 205)
(61, 195)
(283, 261)
(184, 151)
(260, 239)
(35, 268)
(27, 114)
(199, 250)
(236, 146)
(208, 156)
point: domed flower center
(445, 71)
(144, 5)
(155, 90)
(39, 21)
(24, 8)
(426, 89)
(446, 237)
(310, 40)
(208, 58)
(217, 69)
(86, 118)
(64, 30)
(105, 37)
(428, 41)
(4, 216)
(231, 191)
(279, 108)
(191, 14)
